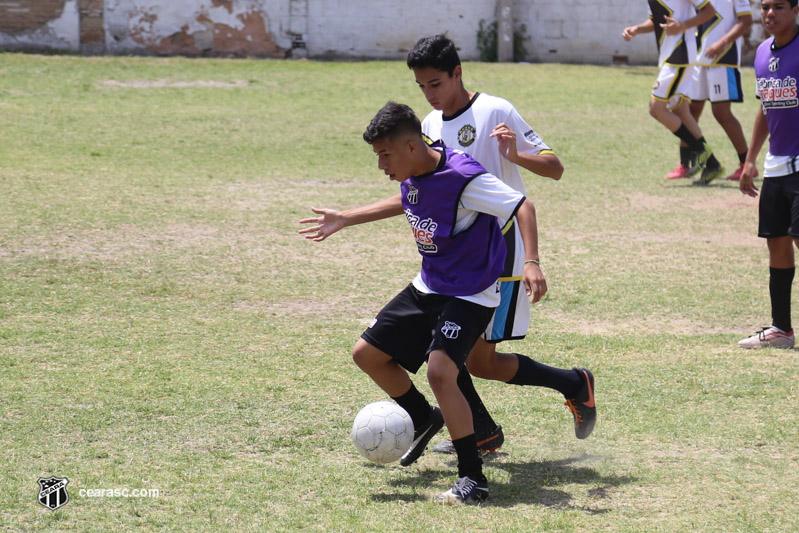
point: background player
(452, 205)
(717, 77)
(777, 72)
(671, 21)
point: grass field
(163, 326)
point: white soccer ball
(382, 432)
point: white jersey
(470, 130)
(675, 50)
(727, 14)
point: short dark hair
(793, 2)
(438, 52)
(392, 121)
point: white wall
(576, 31)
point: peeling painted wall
(40, 25)
(165, 27)
(577, 31)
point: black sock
(416, 405)
(686, 136)
(779, 287)
(742, 157)
(483, 423)
(567, 382)
(685, 156)
(469, 461)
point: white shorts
(511, 318)
(717, 84)
(673, 85)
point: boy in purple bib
(452, 206)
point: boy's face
(778, 16)
(393, 157)
(439, 88)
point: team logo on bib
(450, 330)
(413, 195)
(466, 135)
(773, 64)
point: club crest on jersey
(467, 135)
(450, 329)
(413, 195)
(773, 64)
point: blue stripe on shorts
(732, 85)
(501, 314)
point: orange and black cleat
(583, 406)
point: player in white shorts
(717, 77)
(673, 23)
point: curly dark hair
(438, 52)
(392, 121)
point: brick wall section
(24, 15)
(92, 31)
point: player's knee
(361, 355)
(440, 376)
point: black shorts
(779, 207)
(414, 324)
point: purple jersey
(777, 70)
(454, 265)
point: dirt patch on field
(108, 245)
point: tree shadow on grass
(533, 483)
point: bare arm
(740, 27)
(331, 221)
(533, 278)
(631, 31)
(759, 135)
(674, 26)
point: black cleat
(465, 490)
(422, 436)
(583, 407)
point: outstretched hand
(629, 32)
(330, 222)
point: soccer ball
(382, 432)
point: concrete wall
(578, 31)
